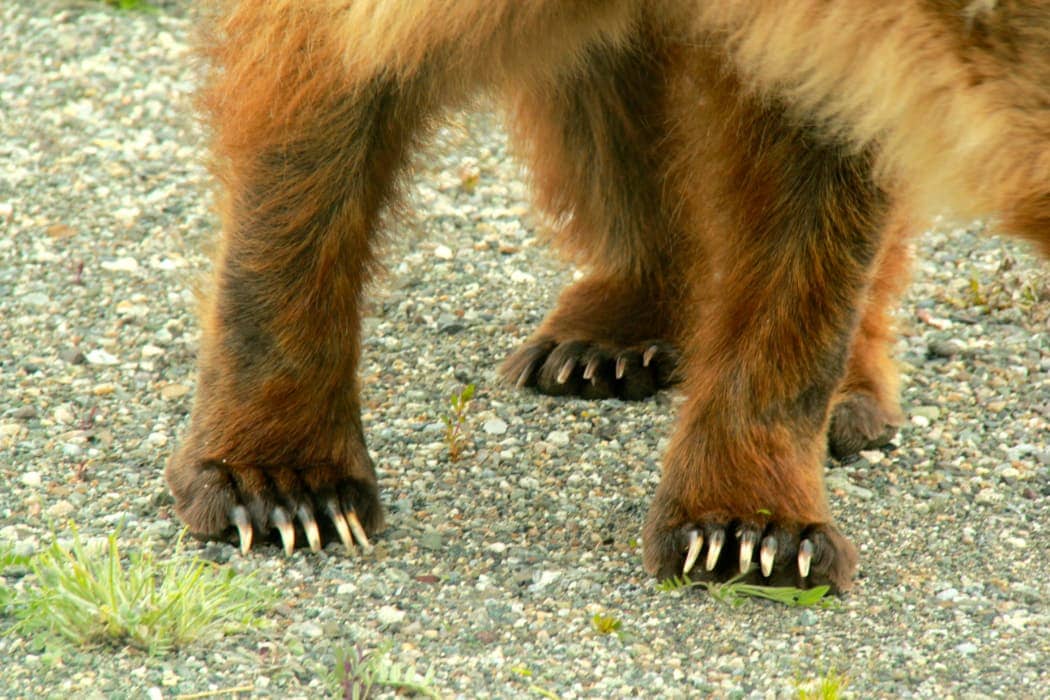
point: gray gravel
(496, 563)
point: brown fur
(722, 168)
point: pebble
(61, 509)
(120, 265)
(558, 437)
(173, 391)
(36, 299)
(389, 615)
(101, 357)
(930, 413)
(495, 426)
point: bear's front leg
(788, 226)
(309, 158)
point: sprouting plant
(829, 687)
(140, 5)
(734, 592)
(607, 624)
(9, 560)
(977, 297)
(99, 595)
(357, 673)
(455, 420)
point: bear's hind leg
(866, 411)
(591, 138)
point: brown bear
(738, 176)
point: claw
(695, 543)
(647, 357)
(566, 370)
(748, 540)
(621, 366)
(359, 532)
(239, 516)
(714, 548)
(340, 524)
(591, 368)
(767, 554)
(805, 556)
(285, 527)
(313, 535)
(523, 377)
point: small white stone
(872, 456)
(101, 357)
(61, 510)
(121, 265)
(347, 589)
(495, 426)
(443, 252)
(987, 496)
(32, 479)
(920, 421)
(558, 437)
(389, 615)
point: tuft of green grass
(358, 673)
(455, 420)
(9, 560)
(607, 624)
(130, 5)
(829, 687)
(100, 596)
(735, 593)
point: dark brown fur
(739, 240)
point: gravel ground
(106, 216)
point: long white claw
(767, 554)
(239, 516)
(340, 525)
(359, 532)
(695, 543)
(566, 370)
(621, 366)
(805, 557)
(748, 540)
(647, 356)
(285, 527)
(313, 535)
(591, 368)
(714, 548)
(523, 377)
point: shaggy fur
(739, 177)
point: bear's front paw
(714, 546)
(312, 502)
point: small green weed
(735, 593)
(829, 687)
(607, 624)
(8, 560)
(101, 596)
(455, 420)
(357, 673)
(139, 5)
(977, 296)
